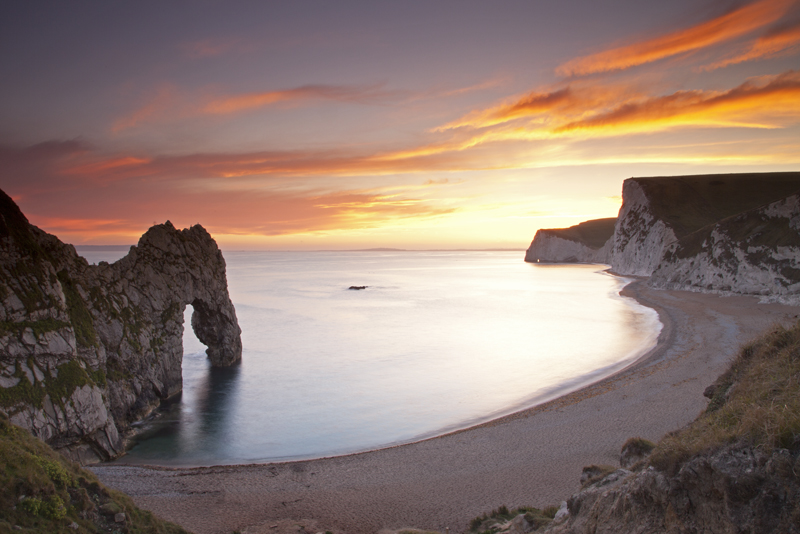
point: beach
(533, 457)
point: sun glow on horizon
(436, 152)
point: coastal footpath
(87, 350)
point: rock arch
(99, 346)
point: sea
(437, 341)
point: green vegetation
(29, 278)
(754, 232)
(38, 327)
(638, 446)
(490, 523)
(79, 314)
(70, 377)
(688, 203)
(116, 370)
(24, 391)
(755, 403)
(594, 473)
(593, 234)
(43, 493)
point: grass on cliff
(534, 517)
(43, 493)
(756, 403)
(688, 203)
(593, 234)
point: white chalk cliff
(583, 243)
(721, 233)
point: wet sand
(533, 457)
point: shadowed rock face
(85, 350)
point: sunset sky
(408, 124)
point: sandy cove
(533, 457)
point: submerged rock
(89, 349)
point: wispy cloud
(594, 109)
(782, 40)
(767, 104)
(170, 103)
(365, 94)
(735, 24)
(161, 104)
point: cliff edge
(736, 233)
(587, 242)
(86, 350)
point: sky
(309, 125)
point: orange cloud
(530, 104)
(730, 26)
(370, 94)
(594, 109)
(85, 226)
(169, 103)
(785, 40)
(749, 105)
(106, 165)
(271, 213)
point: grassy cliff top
(592, 233)
(43, 493)
(688, 203)
(756, 403)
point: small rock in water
(358, 287)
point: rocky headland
(737, 233)
(87, 350)
(587, 242)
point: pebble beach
(533, 457)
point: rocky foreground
(86, 350)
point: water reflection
(438, 342)
(215, 402)
(195, 424)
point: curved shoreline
(542, 398)
(530, 457)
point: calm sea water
(438, 341)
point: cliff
(736, 468)
(587, 242)
(755, 252)
(731, 233)
(86, 350)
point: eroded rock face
(549, 247)
(732, 490)
(719, 233)
(588, 242)
(85, 350)
(640, 237)
(756, 252)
